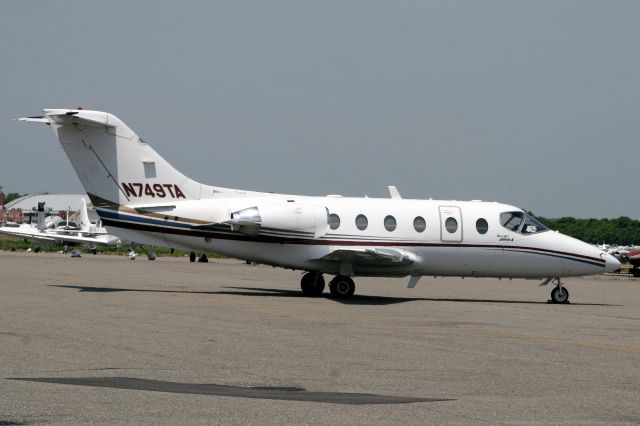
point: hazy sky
(533, 103)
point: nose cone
(612, 264)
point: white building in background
(55, 205)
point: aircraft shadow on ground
(261, 392)
(355, 300)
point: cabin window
(419, 224)
(362, 222)
(482, 226)
(451, 225)
(390, 223)
(334, 221)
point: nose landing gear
(559, 294)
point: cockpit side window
(532, 226)
(511, 220)
(522, 223)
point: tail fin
(114, 165)
(85, 223)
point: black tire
(192, 256)
(342, 287)
(312, 284)
(560, 295)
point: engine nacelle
(295, 218)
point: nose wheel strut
(559, 294)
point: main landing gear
(342, 287)
(201, 259)
(559, 294)
(312, 284)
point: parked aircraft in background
(142, 198)
(65, 231)
(619, 252)
(634, 259)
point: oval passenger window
(451, 224)
(390, 223)
(482, 226)
(362, 222)
(334, 221)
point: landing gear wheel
(560, 295)
(342, 287)
(312, 284)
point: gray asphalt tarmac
(104, 340)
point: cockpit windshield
(521, 222)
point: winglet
(393, 191)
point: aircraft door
(450, 224)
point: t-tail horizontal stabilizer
(40, 119)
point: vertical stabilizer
(85, 223)
(115, 166)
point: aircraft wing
(26, 232)
(371, 256)
(351, 258)
(101, 240)
(35, 234)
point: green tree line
(620, 231)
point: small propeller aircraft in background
(143, 199)
(80, 231)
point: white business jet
(143, 199)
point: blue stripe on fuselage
(110, 214)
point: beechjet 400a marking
(142, 198)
